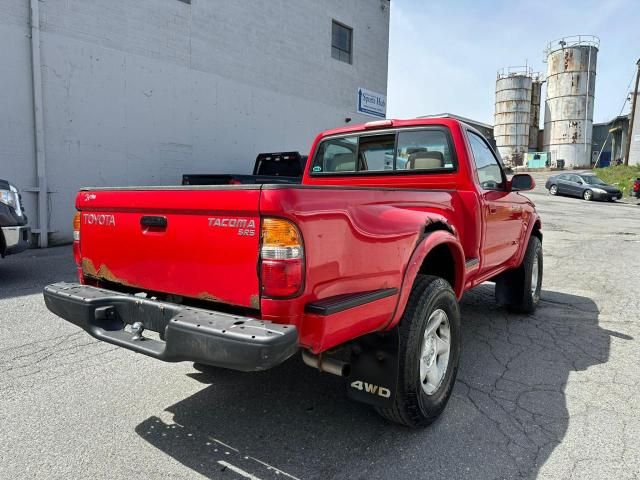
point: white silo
(512, 114)
(568, 116)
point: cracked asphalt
(551, 395)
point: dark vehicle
(635, 190)
(583, 185)
(15, 234)
(281, 167)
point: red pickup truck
(360, 266)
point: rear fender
(426, 245)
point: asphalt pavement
(550, 395)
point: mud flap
(374, 368)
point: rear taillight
(76, 239)
(281, 258)
(636, 185)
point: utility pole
(634, 99)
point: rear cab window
(415, 150)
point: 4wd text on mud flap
(371, 388)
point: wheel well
(437, 225)
(440, 262)
(2, 245)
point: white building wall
(142, 92)
(17, 146)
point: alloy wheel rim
(587, 195)
(553, 189)
(535, 273)
(434, 354)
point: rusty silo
(512, 114)
(534, 123)
(568, 116)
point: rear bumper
(190, 334)
(16, 239)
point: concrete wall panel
(138, 93)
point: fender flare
(535, 219)
(424, 247)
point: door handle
(491, 209)
(153, 221)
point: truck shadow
(27, 273)
(507, 414)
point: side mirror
(522, 182)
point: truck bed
(177, 240)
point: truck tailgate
(199, 243)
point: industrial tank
(512, 113)
(534, 123)
(568, 116)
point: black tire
(412, 405)
(587, 195)
(514, 287)
(553, 189)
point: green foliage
(622, 176)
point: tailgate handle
(153, 221)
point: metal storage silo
(512, 113)
(534, 123)
(568, 116)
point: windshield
(593, 180)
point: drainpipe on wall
(41, 164)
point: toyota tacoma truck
(15, 233)
(360, 267)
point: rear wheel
(553, 189)
(429, 352)
(587, 195)
(519, 289)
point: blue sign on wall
(371, 103)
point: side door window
(575, 185)
(489, 171)
(502, 224)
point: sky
(444, 55)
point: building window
(341, 42)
